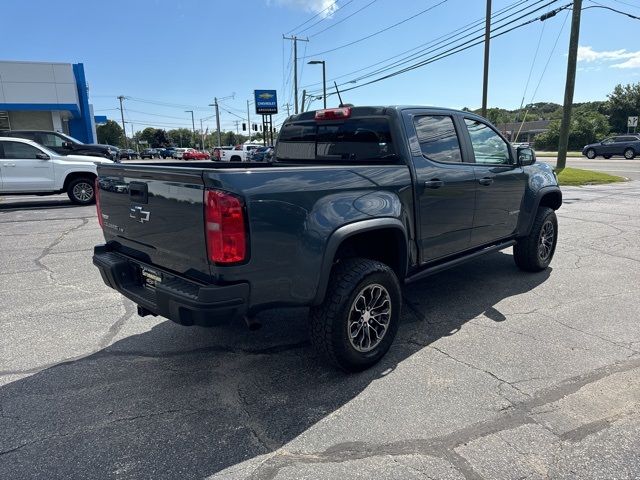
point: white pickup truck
(239, 153)
(27, 167)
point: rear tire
(629, 154)
(534, 252)
(355, 325)
(81, 192)
(591, 154)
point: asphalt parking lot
(495, 373)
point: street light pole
(193, 125)
(215, 104)
(487, 41)
(324, 78)
(124, 129)
(201, 136)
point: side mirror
(42, 156)
(526, 156)
(67, 145)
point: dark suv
(64, 144)
(626, 145)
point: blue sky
(186, 52)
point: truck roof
(376, 110)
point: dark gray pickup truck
(355, 202)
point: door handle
(9, 164)
(485, 181)
(435, 183)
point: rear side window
(353, 140)
(438, 138)
(19, 151)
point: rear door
(501, 183)
(22, 170)
(156, 216)
(445, 184)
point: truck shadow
(175, 402)
(33, 204)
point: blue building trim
(80, 126)
(71, 107)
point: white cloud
(327, 7)
(589, 55)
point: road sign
(266, 102)
(632, 122)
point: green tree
(110, 133)
(622, 103)
(147, 135)
(181, 137)
(586, 127)
(160, 138)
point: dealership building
(46, 96)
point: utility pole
(217, 119)
(249, 121)
(193, 125)
(295, 67)
(304, 97)
(237, 122)
(570, 85)
(487, 41)
(201, 137)
(287, 105)
(124, 129)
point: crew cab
(355, 202)
(64, 144)
(239, 153)
(27, 167)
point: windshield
(356, 139)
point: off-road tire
(526, 253)
(591, 154)
(79, 195)
(329, 322)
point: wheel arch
(550, 196)
(355, 239)
(71, 176)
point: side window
(608, 140)
(50, 140)
(488, 146)
(19, 151)
(438, 139)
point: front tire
(534, 252)
(80, 191)
(629, 154)
(591, 154)
(355, 325)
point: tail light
(333, 113)
(96, 193)
(224, 227)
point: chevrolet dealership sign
(266, 102)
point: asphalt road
(495, 373)
(615, 166)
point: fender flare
(341, 234)
(527, 218)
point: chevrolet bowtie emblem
(139, 215)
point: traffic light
(255, 127)
(244, 127)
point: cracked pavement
(495, 373)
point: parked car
(368, 199)
(179, 152)
(260, 154)
(167, 152)
(27, 167)
(63, 144)
(195, 155)
(626, 145)
(240, 153)
(150, 153)
(127, 153)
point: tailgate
(156, 214)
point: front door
(22, 170)
(501, 184)
(445, 187)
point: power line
(444, 37)
(599, 5)
(378, 32)
(344, 19)
(445, 44)
(330, 6)
(323, 18)
(452, 51)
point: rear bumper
(176, 298)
